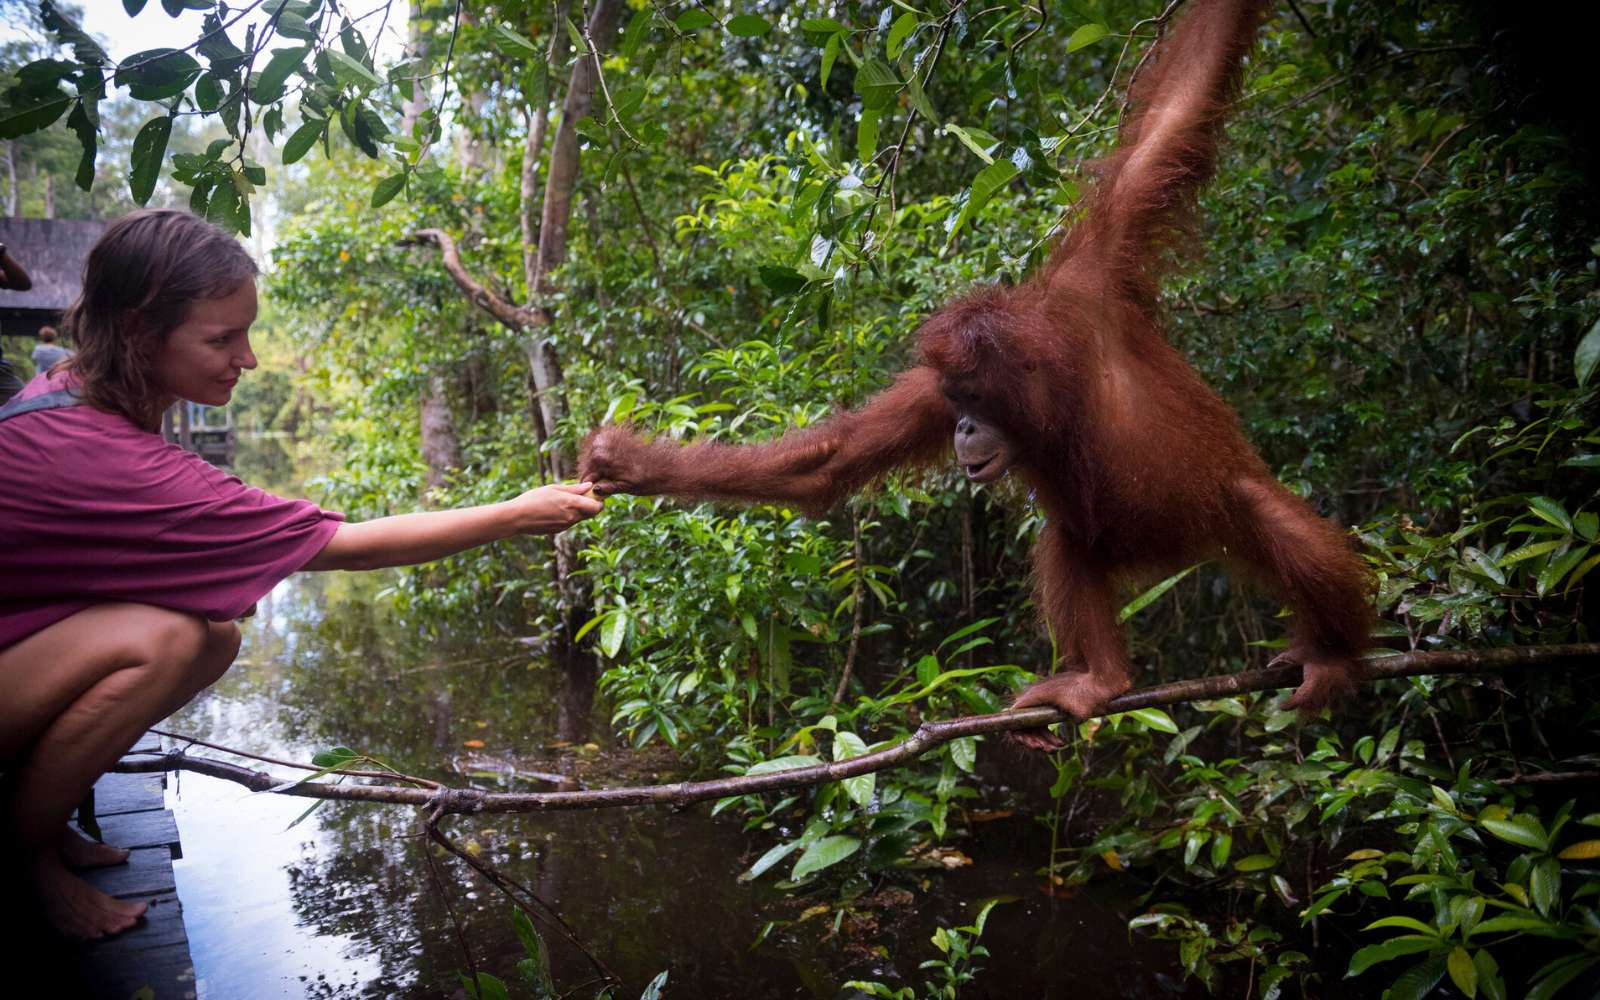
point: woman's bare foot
(75, 909)
(79, 851)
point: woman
(124, 559)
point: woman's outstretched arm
(407, 539)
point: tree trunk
(10, 172)
(441, 451)
(49, 195)
(544, 364)
(579, 670)
(602, 28)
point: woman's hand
(556, 507)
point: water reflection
(342, 904)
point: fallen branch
(929, 735)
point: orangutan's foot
(1080, 694)
(79, 851)
(1325, 679)
(72, 907)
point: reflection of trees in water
(644, 890)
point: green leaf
(1086, 36)
(1508, 925)
(1143, 601)
(824, 853)
(1559, 567)
(1553, 977)
(692, 20)
(351, 73)
(1396, 947)
(149, 148)
(302, 140)
(1587, 356)
(919, 99)
(784, 763)
(1417, 981)
(830, 53)
(43, 76)
(821, 26)
(1545, 884)
(1255, 863)
(876, 84)
(208, 93)
(512, 43)
(268, 85)
(867, 135)
(1530, 551)
(747, 26)
(1156, 719)
(82, 125)
(782, 280)
(1408, 923)
(770, 858)
(1551, 511)
(156, 74)
(637, 31)
(25, 113)
(613, 631)
(382, 195)
(899, 31)
(989, 180)
(133, 7)
(860, 788)
(1515, 833)
(969, 138)
(1462, 972)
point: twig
(928, 736)
(1549, 778)
(506, 885)
(599, 75)
(857, 598)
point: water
(343, 904)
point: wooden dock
(151, 961)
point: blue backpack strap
(49, 401)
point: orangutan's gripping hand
(617, 460)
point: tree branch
(928, 736)
(515, 317)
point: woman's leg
(82, 692)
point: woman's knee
(221, 647)
(168, 640)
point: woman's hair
(47, 334)
(140, 278)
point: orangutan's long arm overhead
(910, 423)
(1144, 197)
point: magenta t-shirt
(93, 509)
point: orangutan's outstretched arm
(909, 423)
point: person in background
(14, 278)
(124, 560)
(47, 353)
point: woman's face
(202, 359)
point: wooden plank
(162, 927)
(154, 953)
(147, 873)
(142, 829)
(125, 793)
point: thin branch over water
(442, 800)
